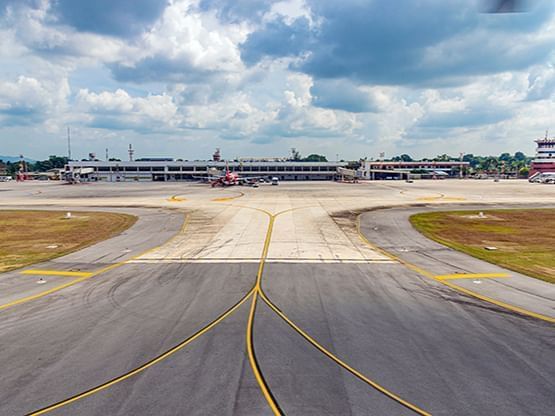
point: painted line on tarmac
(86, 275)
(250, 334)
(270, 399)
(56, 273)
(446, 282)
(228, 198)
(269, 260)
(146, 365)
(343, 364)
(471, 276)
(176, 198)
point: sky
(347, 79)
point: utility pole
(106, 154)
(461, 168)
(68, 144)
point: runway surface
(269, 301)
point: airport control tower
(545, 156)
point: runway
(271, 302)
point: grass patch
(28, 237)
(524, 238)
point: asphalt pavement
(329, 336)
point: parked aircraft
(228, 178)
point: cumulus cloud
(322, 73)
(119, 110)
(541, 81)
(406, 42)
(119, 18)
(28, 100)
(185, 45)
(342, 94)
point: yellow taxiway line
(446, 282)
(176, 198)
(343, 364)
(228, 198)
(81, 275)
(250, 338)
(250, 323)
(471, 276)
(146, 365)
(56, 273)
(254, 293)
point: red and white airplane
(228, 178)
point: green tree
(402, 158)
(524, 171)
(505, 157)
(295, 155)
(314, 158)
(442, 158)
(520, 156)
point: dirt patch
(29, 237)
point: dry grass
(28, 237)
(525, 239)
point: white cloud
(28, 100)
(184, 78)
(289, 10)
(119, 110)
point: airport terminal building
(416, 169)
(170, 170)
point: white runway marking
(269, 260)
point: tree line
(505, 162)
(53, 162)
(517, 163)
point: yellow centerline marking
(146, 365)
(343, 364)
(250, 328)
(176, 198)
(84, 275)
(254, 292)
(56, 273)
(446, 282)
(250, 323)
(471, 276)
(228, 198)
(41, 294)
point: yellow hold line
(343, 364)
(148, 364)
(57, 273)
(471, 276)
(453, 286)
(81, 275)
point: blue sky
(257, 77)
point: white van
(275, 181)
(5, 178)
